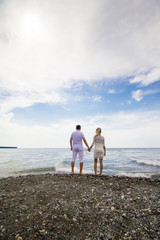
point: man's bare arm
(71, 144)
(86, 143)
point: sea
(133, 162)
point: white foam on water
(66, 168)
(62, 167)
(135, 174)
(155, 163)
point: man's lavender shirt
(77, 137)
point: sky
(90, 62)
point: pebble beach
(64, 206)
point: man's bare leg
(81, 167)
(101, 166)
(95, 166)
(72, 166)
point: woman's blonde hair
(98, 132)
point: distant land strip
(8, 147)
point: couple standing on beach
(77, 148)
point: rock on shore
(64, 206)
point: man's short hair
(78, 127)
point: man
(77, 147)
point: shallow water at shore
(123, 162)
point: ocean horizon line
(84, 147)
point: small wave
(36, 170)
(135, 174)
(6, 162)
(65, 167)
(156, 175)
(62, 167)
(154, 163)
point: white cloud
(97, 98)
(136, 129)
(111, 91)
(46, 45)
(132, 129)
(138, 95)
(17, 100)
(148, 78)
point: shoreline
(65, 206)
(40, 171)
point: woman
(99, 150)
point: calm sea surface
(136, 162)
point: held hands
(89, 149)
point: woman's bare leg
(72, 167)
(95, 166)
(101, 165)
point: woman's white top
(99, 143)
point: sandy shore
(64, 206)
